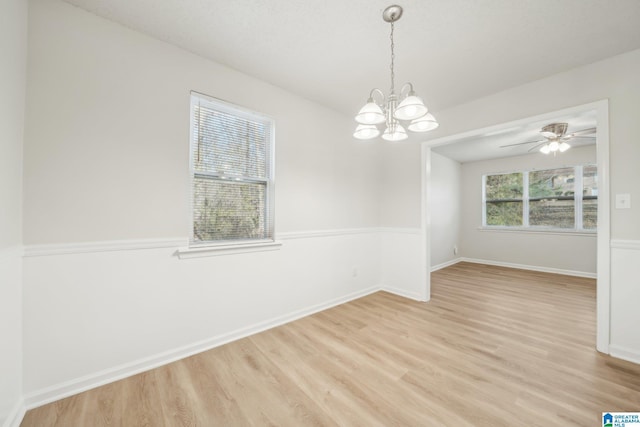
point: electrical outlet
(455, 250)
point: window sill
(217, 250)
(551, 231)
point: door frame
(603, 277)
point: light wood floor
(494, 347)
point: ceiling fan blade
(521, 143)
(582, 137)
(582, 132)
(537, 146)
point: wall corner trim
(15, 417)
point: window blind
(231, 173)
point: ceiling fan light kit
(394, 110)
(554, 132)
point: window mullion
(484, 200)
(525, 199)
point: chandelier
(395, 111)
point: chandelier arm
(404, 86)
(381, 93)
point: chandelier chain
(393, 57)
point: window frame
(578, 199)
(227, 245)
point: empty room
(319, 213)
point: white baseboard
(14, 418)
(78, 385)
(531, 267)
(401, 292)
(445, 264)
(624, 353)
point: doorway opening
(479, 143)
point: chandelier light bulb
(366, 132)
(424, 123)
(545, 149)
(395, 133)
(410, 108)
(563, 147)
(370, 114)
(554, 146)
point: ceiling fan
(555, 138)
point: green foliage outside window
(551, 198)
(504, 186)
(504, 199)
(504, 213)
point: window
(504, 195)
(551, 198)
(231, 173)
(590, 197)
(562, 198)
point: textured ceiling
(335, 51)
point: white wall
(564, 252)
(13, 57)
(402, 270)
(402, 250)
(106, 159)
(446, 209)
(625, 269)
(400, 196)
(98, 316)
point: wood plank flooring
(494, 347)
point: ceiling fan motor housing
(554, 130)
